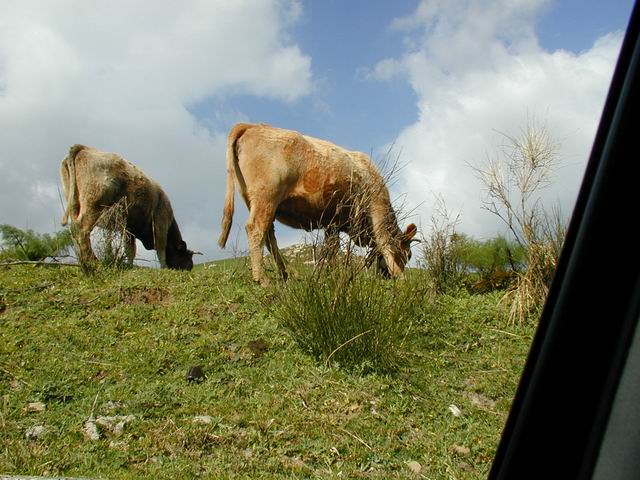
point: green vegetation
(27, 245)
(348, 316)
(454, 260)
(80, 354)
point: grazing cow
(94, 181)
(309, 183)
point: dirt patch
(144, 296)
(258, 347)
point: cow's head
(401, 252)
(180, 257)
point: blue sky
(342, 38)
(346, 37)
(440, 78)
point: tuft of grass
(349, 317)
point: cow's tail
(69, 185)
(232, 167)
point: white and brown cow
(94, 181)
(310, 184)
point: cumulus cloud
(479, 72)
(122, 76)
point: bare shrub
(441, 249)
(110, 241)
(514, 178)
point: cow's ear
(182, 246)
(410, 232)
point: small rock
(294, 462)
(118, 445)
(482, 401)
(460, 450)
(195, 374)
(35, 433)
(203, 419)
(455, 410)
(112, 406)
(414, 466)
(116, 424)
(90, 430)
(35, 407)
(258, 347)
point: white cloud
(475, 80)
(120, 76)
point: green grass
(348, 317)
(121, 343)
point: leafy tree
(491, 256)
(18, 244)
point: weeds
(110, 241)
(348, 316)
(441, 251)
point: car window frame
(560, 411)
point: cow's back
(306, 177)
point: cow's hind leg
(272, 246)
(257, 227)
(81, 232)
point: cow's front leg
(160, 229)
(161, 251)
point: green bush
(350, 317)
(20, 244)
(491, 256)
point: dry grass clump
(514, 179)
(111, 238)
(441, 250)
(109, 241)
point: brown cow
(94, 181)
(309, 183)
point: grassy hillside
(107, 355)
